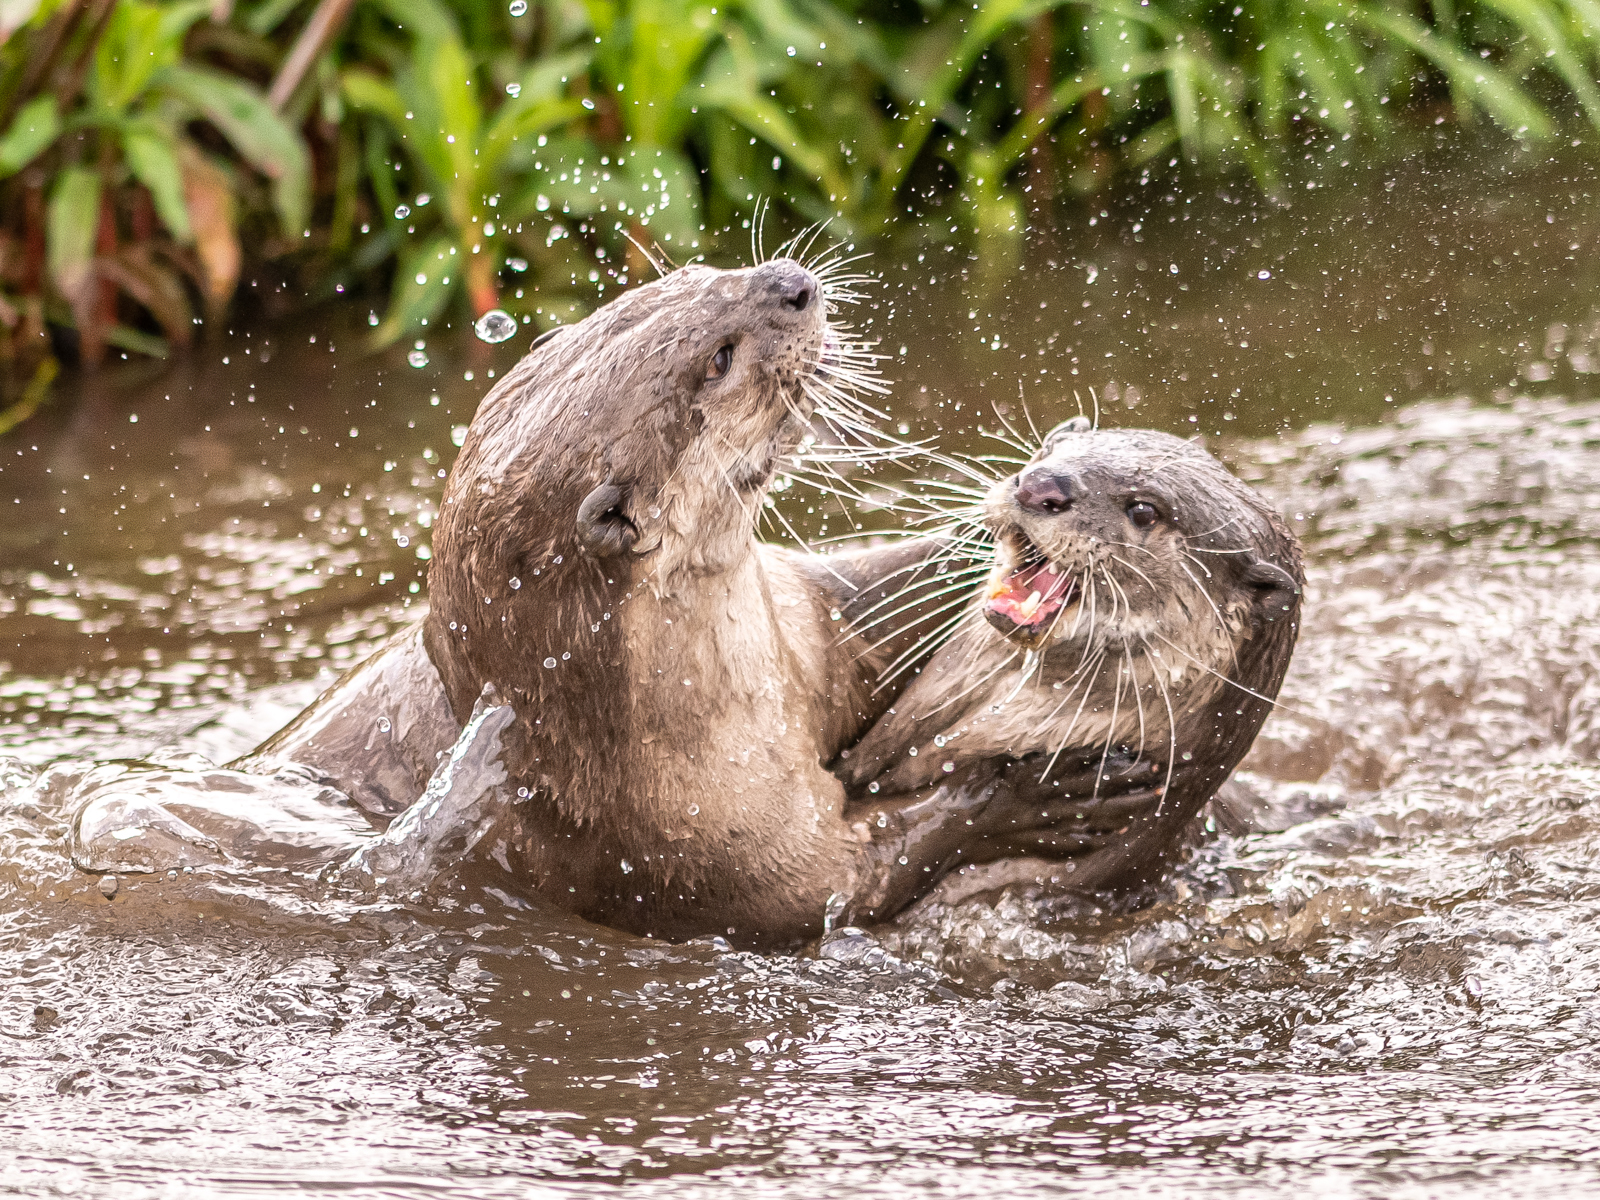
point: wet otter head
(626, 455)
(642, 435)
(1128, 539)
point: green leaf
(366, 92)
(34, 128)
(256, 131)
(420, 289)
(70, 224)
(149, 152)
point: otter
(1137, 622)
(665, 692)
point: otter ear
(1269, 577)
(1077, 424)
(603, 528)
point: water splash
(495, 326)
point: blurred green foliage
(444, 157)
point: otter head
(628, 451)
(647, 431)
(1128, 539)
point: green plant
(119, 143)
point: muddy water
(1390, 992)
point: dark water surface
(1394, 995)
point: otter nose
(1041, 490)
(788, 283)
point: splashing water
(495, 326)
(418, 358)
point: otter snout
(1046, 491)
(787, 285)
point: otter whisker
(962, 585)
(1093, 673)
(1156, 673)
(1111, 728)
(909, 656)
(1038, 438)
(1236, 684)
(1222, 625)
(1001, 666)
(1205, 533)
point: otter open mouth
(1024, 602)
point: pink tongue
(1015, 600)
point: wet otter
(667, 690)
(1136, 625)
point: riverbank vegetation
(437, 160)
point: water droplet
(939, 740)
(588, 103)
(902, 860)
(418, 358)
(495, 326)
(517, 264)
(949, 767)
(515, 583)
(835, 615)
(595, 628)
(883, 820)
(549, 662)
(688, 683)
(790, 51)
(872, 787)
(402, 541)
(556, 561)
(372, 318)
(518, 7)
(1263, 274)
(627, 867)
(458, 435)
(402, 211)
(383, 725)
(523, 793)
(565, 655)
(912, 752)
(422, 200)
(694, 810)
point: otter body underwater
(1140, 613)
(620, 700)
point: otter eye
(720, 362)
(1142, 513)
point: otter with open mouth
(620, 701)
(1138, 617)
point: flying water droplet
(418, 358)
(938, 740)
(694, 810)
(872, 787)
(402, 211)
(517, 264)
(372, 318)
(949, 767)
(495, 326)
(518, 7)
(515, 583)
(549, 662)
(513, 90)
(383, 725)
(402, 541)
(627, 867)
(422, 199)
